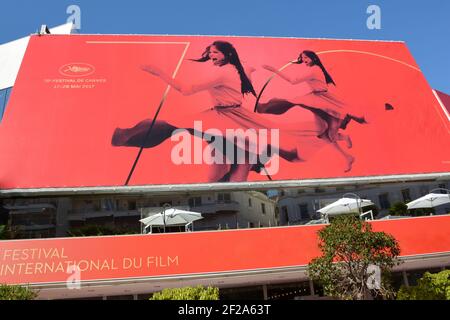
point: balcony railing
(216, 206)
(81, 216)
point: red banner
(120, 257)
(139, 110)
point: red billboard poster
(138, 110)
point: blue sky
(424, 26)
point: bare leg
(333, 122)
(239, 173)
(218, 171)
(349, 158)
(346, 138)
(333, 128)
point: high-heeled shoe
(350, 162)
(345, 122)
(257, 167)
(388, 107)
(119, 138)
(349, 117)
(361, 120)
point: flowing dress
(227, 114)
(313, 91)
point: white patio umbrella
(345, 205)
(171, 217)
(430, 200)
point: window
(384, 201)
(285, 213)
(249, 202)
(195, 202)
(93, 205)
(406, 195)
(224, 197)
(423, 190)
(319, 190)
(108, 204)
(4, 97)
(263, 208)
(304, 214)
(132, 205)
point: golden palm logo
(77, 69)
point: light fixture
(44, 30)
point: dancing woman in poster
(227, 85)
(312, 86)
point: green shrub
(7, 233)
(432, 286)
(94, 230)
(14, 292)
(188, 293)
(349, 246)
(422, 212)
(398, 209)
(3, 234)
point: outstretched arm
(177, 85)
(285, 77)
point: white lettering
(374, 21)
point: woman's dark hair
(231, 57)
(316, 61)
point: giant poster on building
(140, 110)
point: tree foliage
(188, 293)
(98, 230)
(432, 286)
(7, 233)
(15, 292)
(349, 247)
(398, 209)
(3, 234)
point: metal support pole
(265, 292)
(358, 202)
(311, 287)
(405, 278)
(165, 206)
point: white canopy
(430, 200)
(345, 205)
(172, 217)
